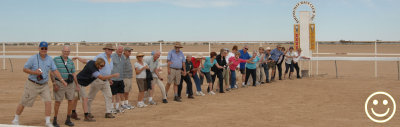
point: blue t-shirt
(207, 64)
(244, 56)
(253, 65)
(176, 58)
(35, 62)
(106, 70)
(275, 54)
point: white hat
(268, 48)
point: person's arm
(184, 68)
(58, 75)
(76, 82)
(218, 66)
(108, 76)
(138, 71)
(157, 72)
(80, 60)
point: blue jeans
(197, 81)
(266, 70)
(233, 78)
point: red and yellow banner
(312, 36)
(296, 36)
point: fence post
(336, 69)
(317, 60)
(4, 56)
(376, 64)
(209, 47)
(398, 71)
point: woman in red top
(233, 63)
(198, 81)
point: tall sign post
(304, 31)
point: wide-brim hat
(109, 46)
(178, 45)
(268, 48)
(139, 54)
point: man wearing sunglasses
(102, 85)
(245, 56)
(38, 67)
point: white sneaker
(114, 111)
(152, 102)
(211, 93)
(187, 95)
(140, 105)
(124, 107)
(15, 122)
(121, 110)
(48, 125)
(236, 86)
(130, 106)
(202, 94)
(144, 104)
(198, 93)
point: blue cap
(43, 44)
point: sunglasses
(140, 56)
(102, 65)
(43, 48)
(246, 48)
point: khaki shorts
(68, 91)
(128, 85)
(272, 65)
(81, 93)
(175, 76)
(32, 90)
(142, 85)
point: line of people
(112, 73)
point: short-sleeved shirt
(275, 54)
(106, 70)
(207, 64)
(235, 62)
(298, 57)
(196, 64)
(221, 62)
(61, 66)
(128, 71)
(139, 66)
(188, 66)
(35, 62)
(289, 60)
(149, 60)
(176, 58)
(88, 74)
(244, 56)
(118, 66)
(253, 65)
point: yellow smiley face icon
(380, 107)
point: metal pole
(209, 47)
(4, 56)
(376, 64)
(77, 54)
(317, 60)
(336, 69)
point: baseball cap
(43, 44)
(128, 49)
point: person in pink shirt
(233, 63)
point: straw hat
(109, 46)
(178, 45)
(140, 54)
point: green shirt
(61, 66)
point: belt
(36, 82)
(176, 68)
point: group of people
(112, 73)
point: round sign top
(300, 3)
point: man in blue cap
(38, 67)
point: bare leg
(20, 109)
(47, 106)
(56, 107)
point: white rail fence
(317, 58)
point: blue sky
(193, 20)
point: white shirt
(139, 66)
(289, 60)
(298, 57)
